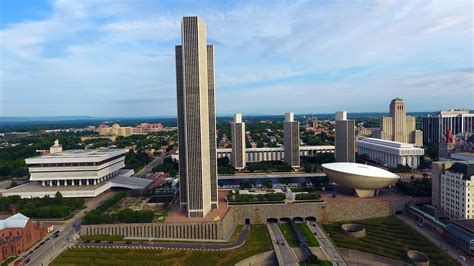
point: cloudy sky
(116, 58)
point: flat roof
(77, 156)
(467, 225)
(359, 169)
(388, 143)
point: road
(284, 253)
(326, 244)
(174, 245)
(147, 168)
(436, 239)
(54, 246)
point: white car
(462, 258)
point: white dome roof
(360, 169)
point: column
(65, 183)
(43, 183)
(87, 182)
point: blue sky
(116, 57)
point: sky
(116, 57)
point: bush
(307, 196)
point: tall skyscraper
(291, 141)
(345, 138)
(196, 119)
(238, 157)
(398, 126)
(455, 120)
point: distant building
(390, 153)
(291, 140)
(457, 190)
(438, 168)
(460, 234)
(196, 119)
(345, 138)
(238, 158)
(115, 130)
(456, 146)
(145, 128)
(398, 126)
(17, 234)
(15, 135)
(274, 154)
(363, 132)
(454, 120)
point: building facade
(17, 234)
(291, 140)
(238, 158)
(390, 153)
(115, 130)
(196, 119)
(274, 154)
(15, 135)
(398, 126)
(345, 138)
(75, 167)
(454, 120)
(457, 191)
(460, 234)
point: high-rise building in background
(238, 157)
(196, 119)
(345, 138)
(398, 126)
(291, 140)
(454, 120)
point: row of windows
(76, 164)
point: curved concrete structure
(354, 230)
(364, 179)
(418, 258)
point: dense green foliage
(122, 216)
(418, 188)
(99, 215)
(257, 242)
(136, 160)
(432, 151)
(169, 166)
(236, 197)
(400, 169)
(312, 164)
(388, 237)
(322, 139)
(224, 167)
(43, 208)
(265, 166)
(307, 196)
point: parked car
(128, 242)
(110, 242)
(87, 241)
(97, 241)
(462, 258)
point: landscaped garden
(258, 241)
(235, 197)
(388, 237)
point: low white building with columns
(77, 173)
(76, 167)
(390, 153)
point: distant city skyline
(116, 59)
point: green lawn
(289, 234)
(320, 263)
(8, 261)
(257, 242)
(389, 237)
(306, 232)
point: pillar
(43, 183)
(87, 182)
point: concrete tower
(238, 159)
(291, 141)
(196, 119)
(345, 138)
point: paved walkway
(436, 239)
(174, 245)
(326, 245)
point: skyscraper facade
(456, 120)
(345, 138)
(238, 157)
(398, 126)
(196, 119)
(291, 141)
